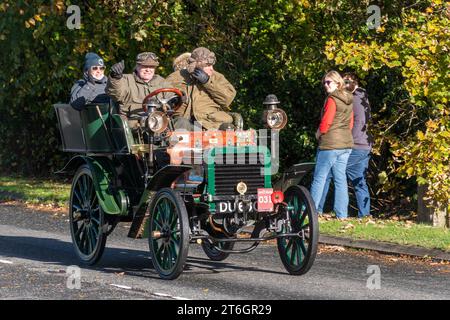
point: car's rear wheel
(298, 252)
(87, 219)
(210, 249)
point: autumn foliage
(282, 47)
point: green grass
(34, 191)
(401, 232)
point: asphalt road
(35, 252)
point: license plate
(265, 200)
(229, 207)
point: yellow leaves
(432, 49)
(380, 29)
(432, 28)
(365, 65)
(329, 55)
(445, 134)
(140, 35)
(411, 62)
(420, 135)
(59, 5)
(410, 171)
(431, 125)
(30, 23)
(427, 158)
(305, 3)
(382, 177)
(394, 55)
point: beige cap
(147, 59)
(201, 57)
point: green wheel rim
(167, 222)
(296, 248)
(298, 252)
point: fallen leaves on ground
(326, 248)
(393, 259)
(346, 227)
(54, 209)
(325, 217)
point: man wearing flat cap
(129, 90)
(209, 94)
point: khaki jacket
(129, 91)
(339, 135)
(203, 100)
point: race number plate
(264, 199)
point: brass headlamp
(157, 121)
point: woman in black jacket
(90, 89)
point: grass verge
(400, 232)
(34, 191)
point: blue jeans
(334, 161)
(357, 166)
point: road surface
(36, 251)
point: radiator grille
(228, 175)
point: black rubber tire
(213, 253)
(305, 256)
(84, 200)
(177, 214)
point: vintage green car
(177, 188)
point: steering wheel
(164, 102)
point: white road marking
(169, 296)
(120, 286)
(155, 293)
(161, 294)
(6, 261)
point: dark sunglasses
(327, 82)
(97, 68)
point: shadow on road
(114, 260)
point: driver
(129, 90)
(209, 94)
